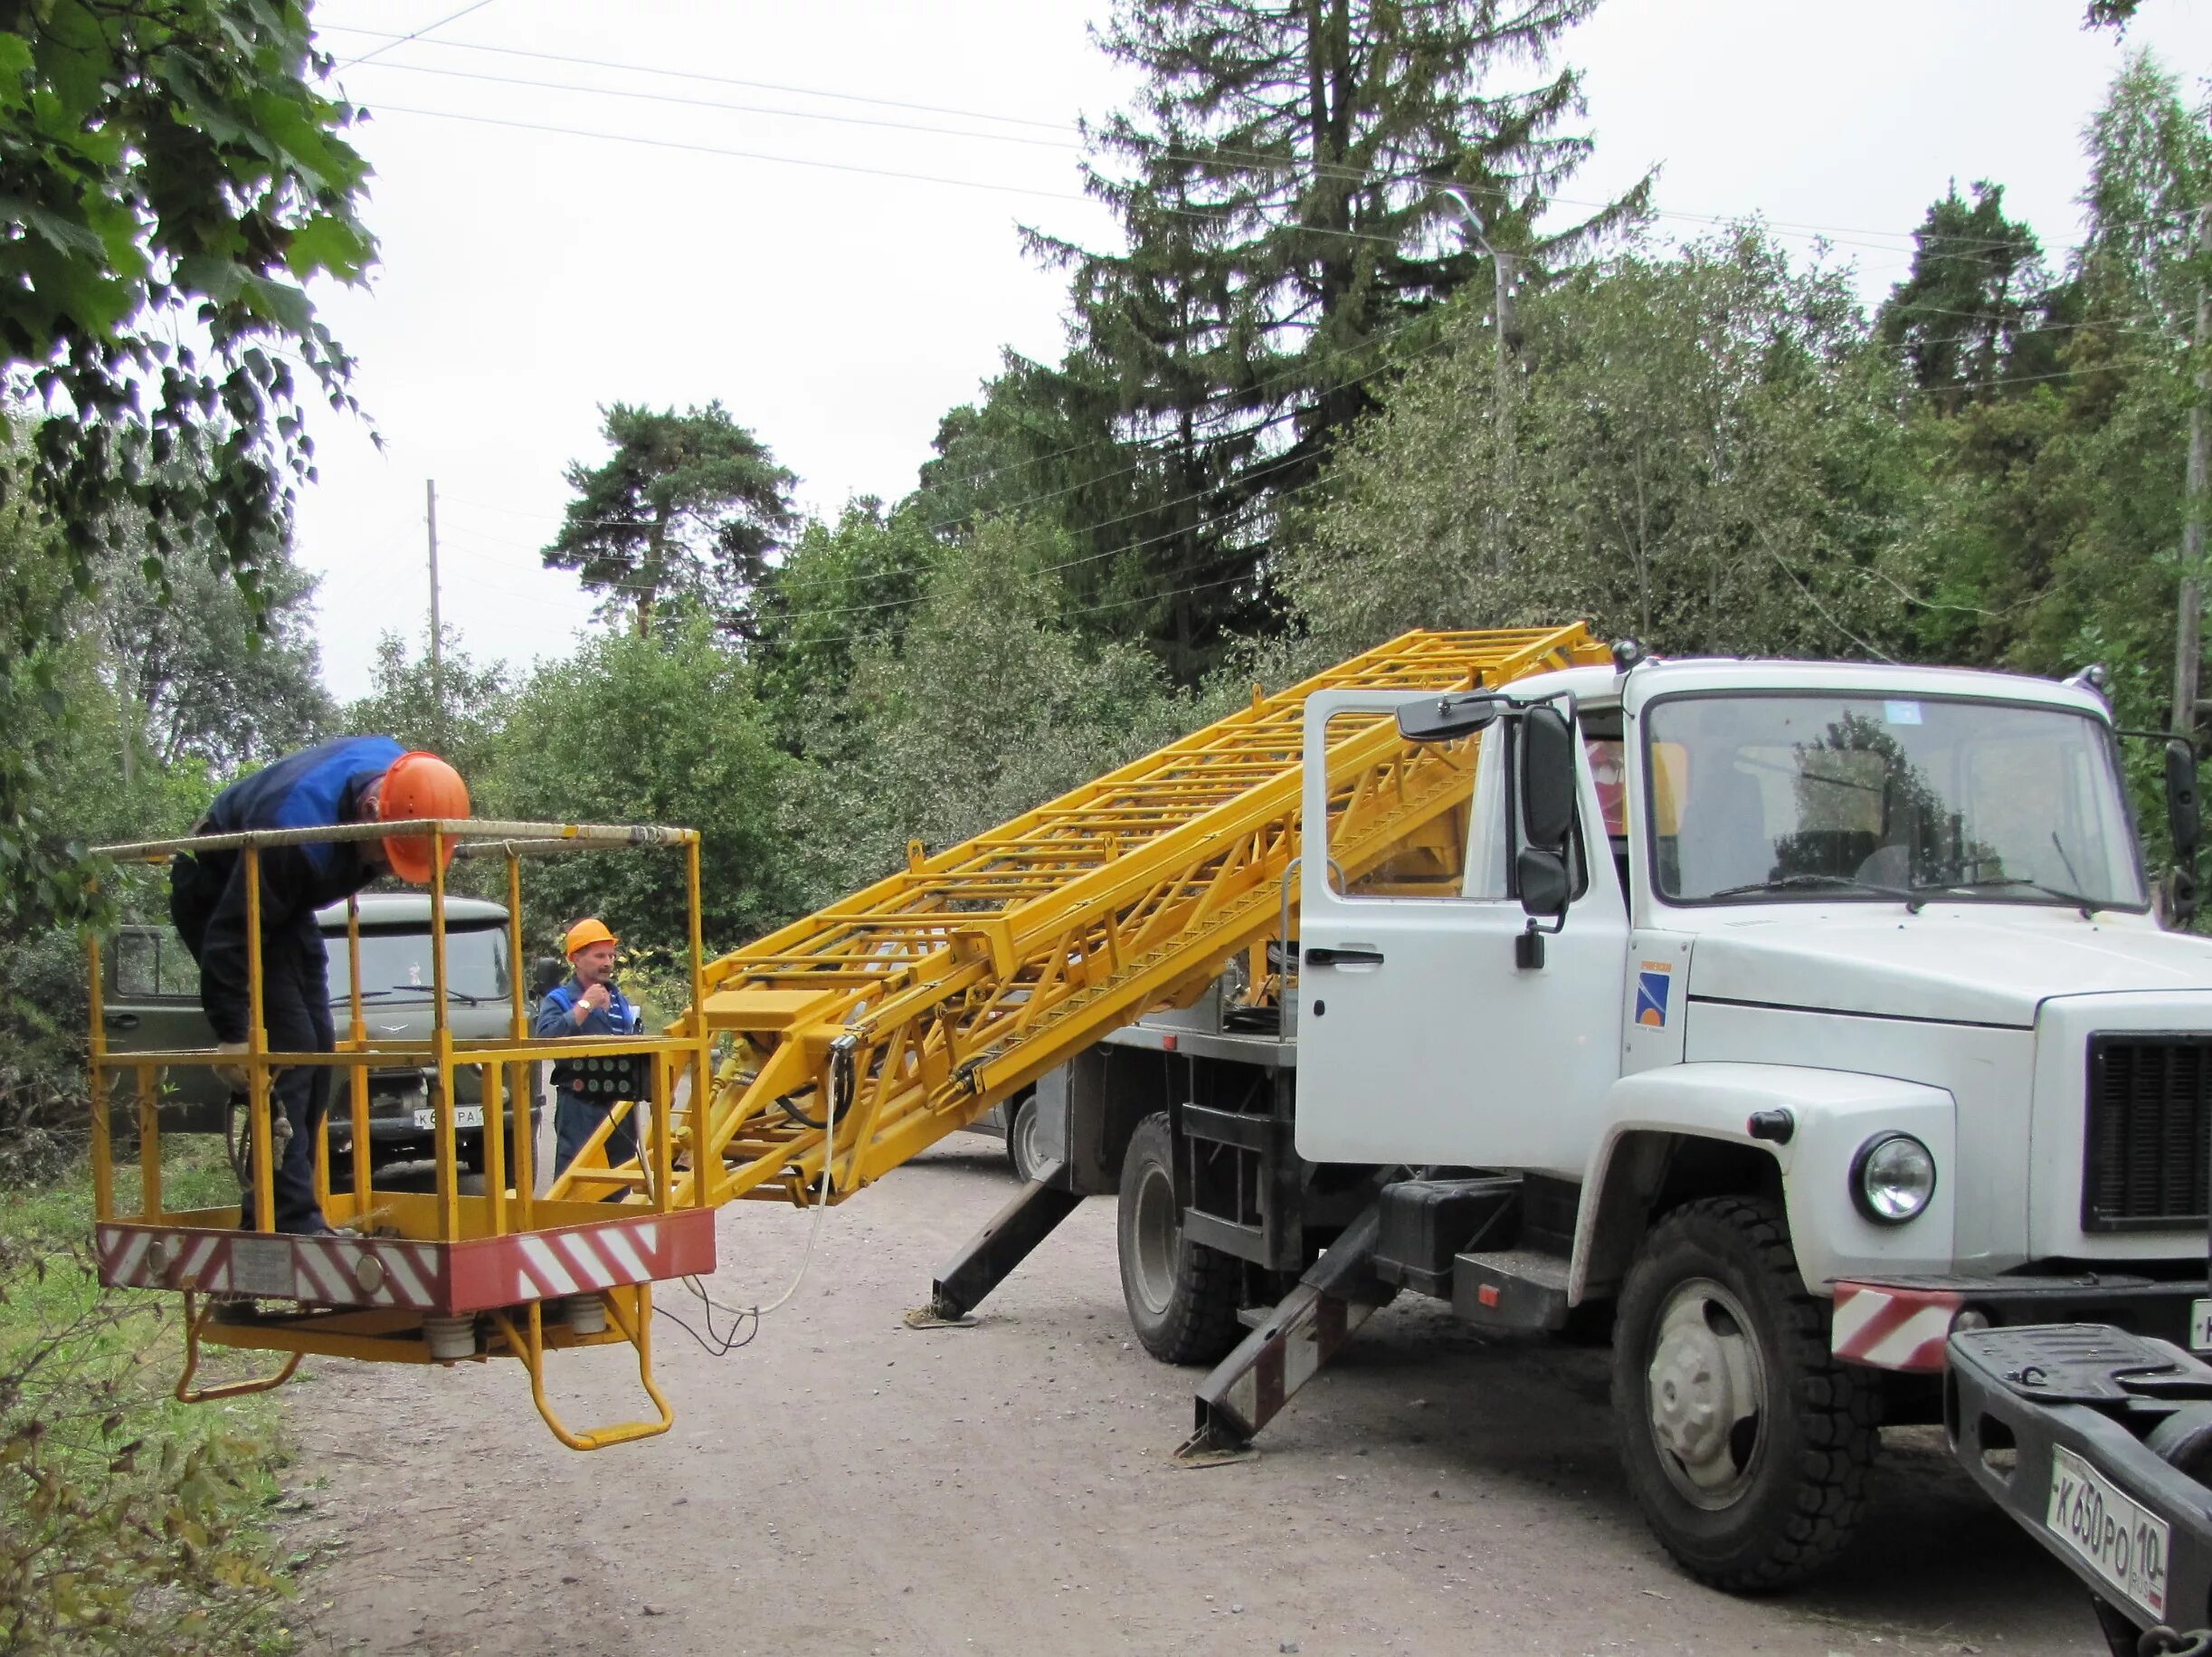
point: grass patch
(129, 1522)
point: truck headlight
(1893, 1178)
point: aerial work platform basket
(824, 1054)
(438, 1276)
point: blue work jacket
(317, 787)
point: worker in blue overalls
(589, 1003)
(350, 779)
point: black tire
(1183, 1296)
(469, 1152)
(1715, 1299)
(1022, 1130)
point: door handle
(121, 1021)
(1351, 955)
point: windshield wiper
(2086, 905)
(1789, 883)
(421, 992)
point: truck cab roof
(1659, 677)
(410, 910)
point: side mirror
(1541, 876)
(546, 972)
(1440, 719)
(1547, 779)
(2182, 818)
(1545, 758)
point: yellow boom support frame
(872, 1028)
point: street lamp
(1509, 360)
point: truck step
(1426, 1223)
(1511, 1289)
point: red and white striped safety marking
(1301, 1343)
(449, 1278)
(1885, 1327)
(318, 1270)
(576, 1259)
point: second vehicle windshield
(396, 966)
(1827, 796)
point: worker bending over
(350, 779)
(589, 1003)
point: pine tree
(1277, 183)
(690, 506)
(1965, 319)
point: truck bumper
(1905, 1323)
(2058, 1396)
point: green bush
(129, 1522)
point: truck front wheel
(1746, 1445)
(1181, 1295)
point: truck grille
(2148, 1157)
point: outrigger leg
(1004, 1242)
(1250, 1387)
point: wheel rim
(1706, 1395)
(1027, 1134)
(1157, 1236)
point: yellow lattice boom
(908, 1010)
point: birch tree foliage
(1706, 456)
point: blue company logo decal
(1653, 979)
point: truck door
(1421, 1038)
(150, 998)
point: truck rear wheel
(1746, 1445)
(1024, 1150)
(1181, 1295)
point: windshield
(1823, 796)
(395, 966)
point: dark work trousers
(296, 1011)
(296, 1007)
(576, 1118)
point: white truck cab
(1782, 1015)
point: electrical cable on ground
(841, 1084)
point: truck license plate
(2125, 1545)
(464, 1116)
(2200, 1326)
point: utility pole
(2189, 642)
(437, 643)
(1504, 265)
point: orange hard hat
(585, 934)
(419, 785)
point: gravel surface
(846, 1484)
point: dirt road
(846, 1484)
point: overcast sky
(810, 211)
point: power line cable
(685, 74)
(1010, 507)
(1231, 517)
(788, 615)
(401, 39)
(1249, 159)
(972, 184)
(716, 103)
(834, 166)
